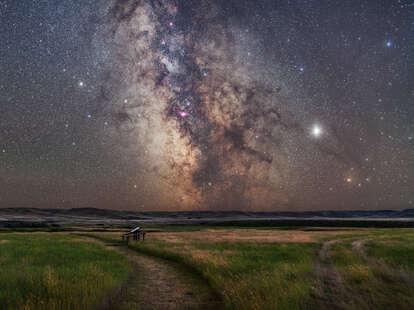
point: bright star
(388, 43)
(316, 131)
(81, 84)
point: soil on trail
(156, 284)
(358, 247)
(328, 280)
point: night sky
(207, 105)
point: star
(184, 88)
(316, 131)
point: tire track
(358, 247)
(330, 291)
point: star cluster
(185, 104)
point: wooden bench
(136, 234)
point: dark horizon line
(212, 211)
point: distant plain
(206, 266)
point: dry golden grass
(246, 235)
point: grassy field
(249, 268)
(397, 251)
(371, 285)
(47, 271)
(294, 268)
(248, 276)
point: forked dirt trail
(156, 284)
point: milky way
(188, 104)
(211, 130)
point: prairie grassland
(277, 269)
(56, 272)
(247, 274)
(375, 269)
(250, 269)
(397, 251)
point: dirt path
(357, 247)
(329, 282)
(156, 284)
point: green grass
(261, 276)
(246, 275)
(398, 252)
(369, 286)
(277, 275)
(45, 271)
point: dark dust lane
(156, 284)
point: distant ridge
(32, 218)
(117, 214)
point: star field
(181, 105)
